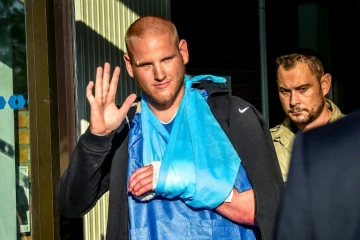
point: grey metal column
(263, 61)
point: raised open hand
(105, 116)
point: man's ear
(325, 84)
(128, 65)
(184, 51)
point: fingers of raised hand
(98, 83)
(127, 104)
(105, 90)
(113, 85)
(105, 83)
(89, 94)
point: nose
(294, 99)
(159, 72)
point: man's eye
(145, 65)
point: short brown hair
(288, 62)
(150, 25)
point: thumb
(127, 104)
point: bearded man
(302, 86)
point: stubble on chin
(299, 120)
(159, 98)
(312, 114)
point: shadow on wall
(92, 50)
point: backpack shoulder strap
(129, 116)
(131, 113)
(218, 100)
(212, 87)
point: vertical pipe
(263, 61)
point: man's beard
(314, 113)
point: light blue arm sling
(198, 162)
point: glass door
(15, 197)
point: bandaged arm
(238, 206)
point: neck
(322, 119)
(166, 111)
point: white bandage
(229, 198)
(151, 194)
(156, 169)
